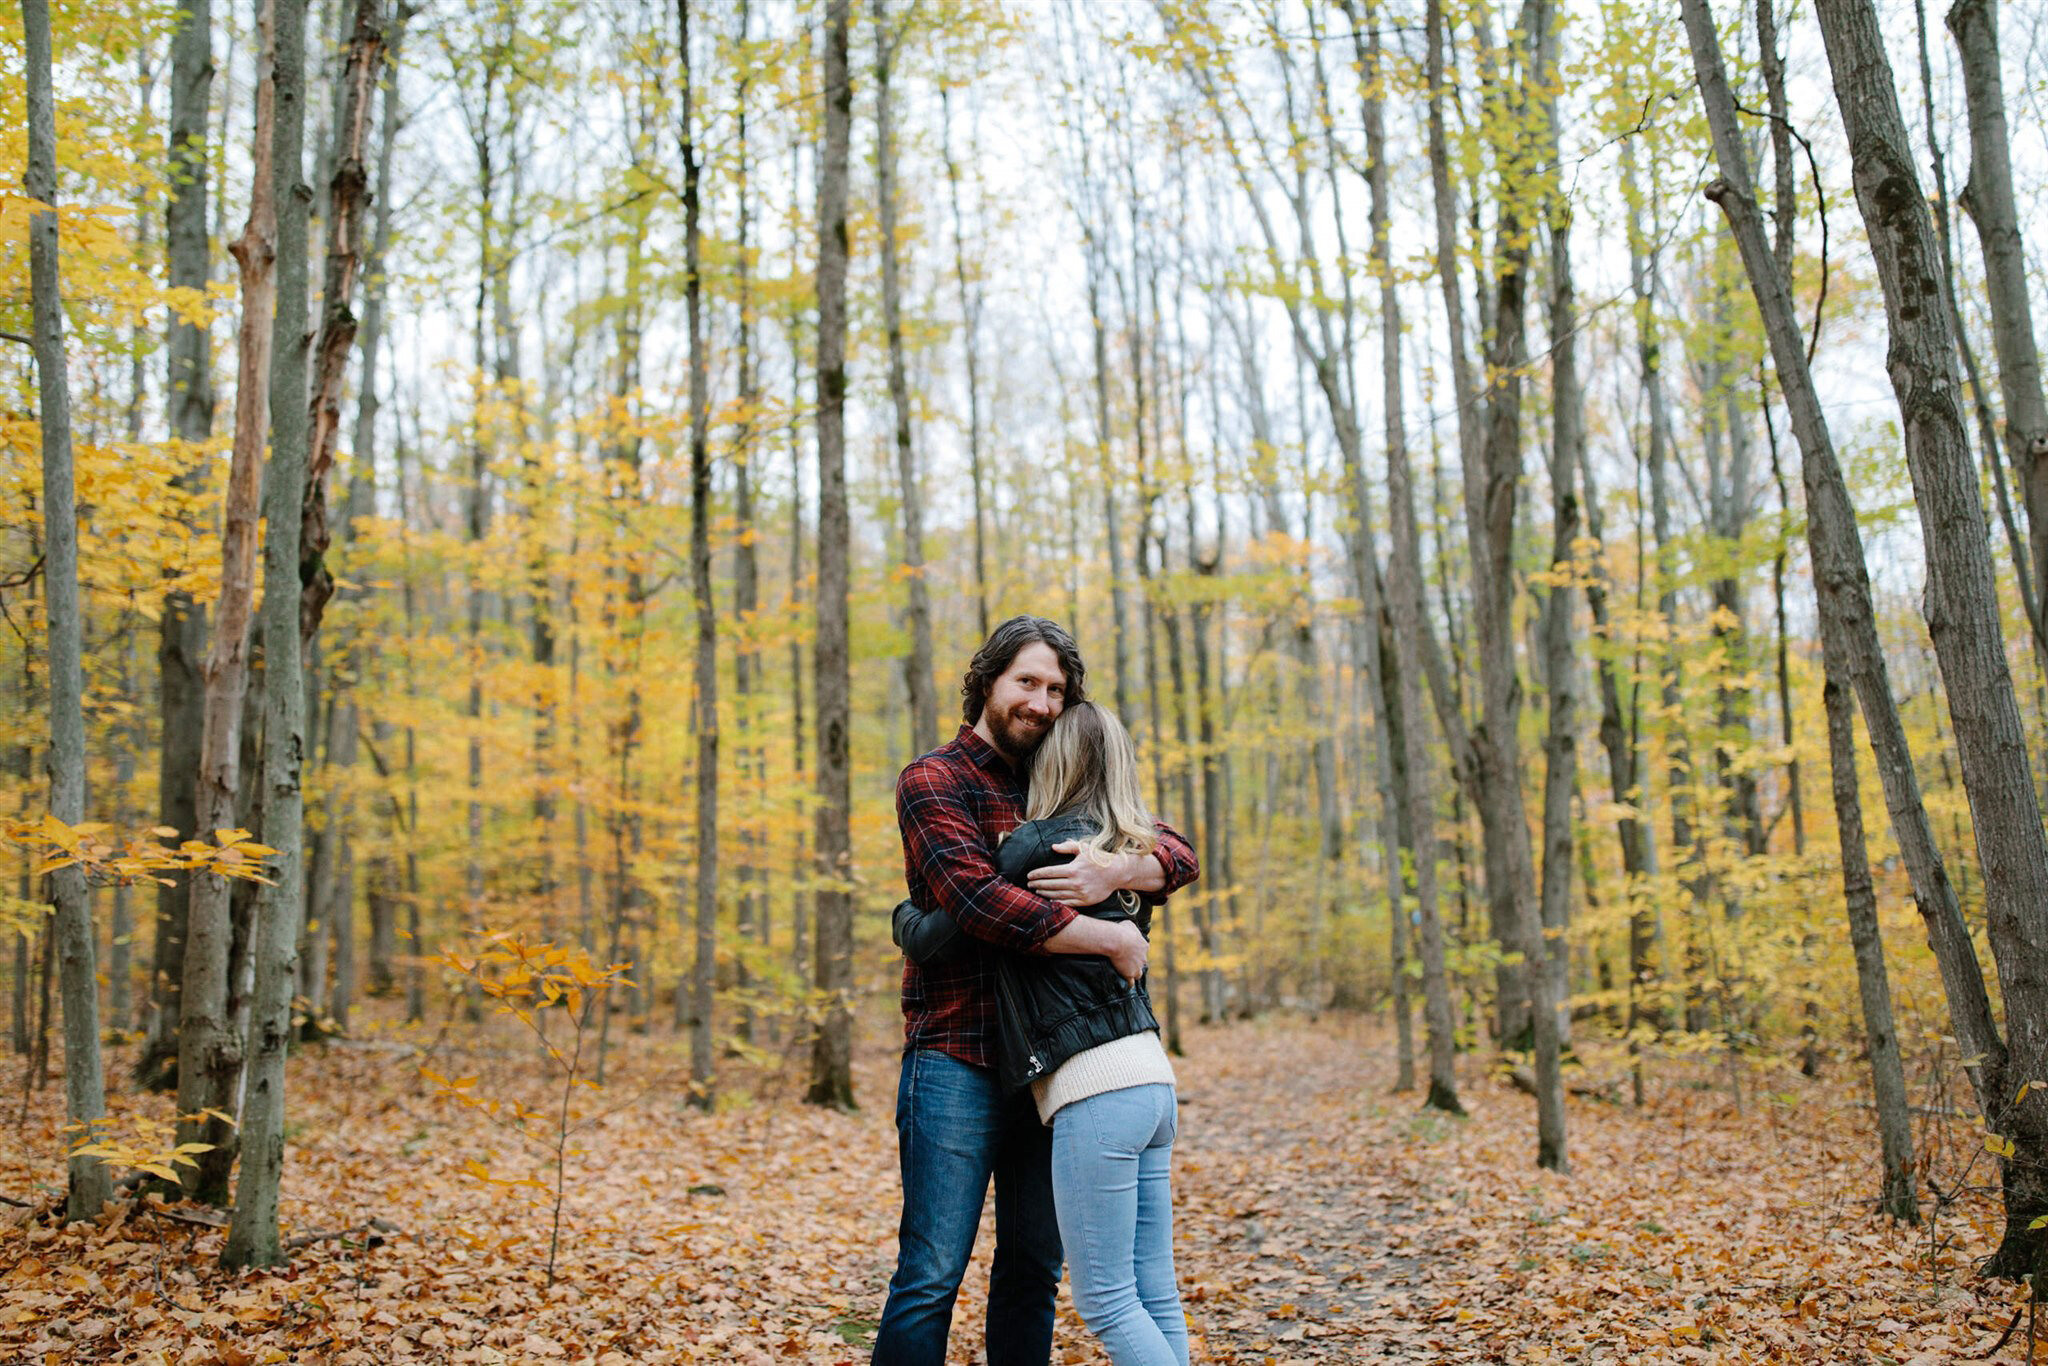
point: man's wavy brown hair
(1001, 648)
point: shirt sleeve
(925, 936)
(943, 841)
(1177, 859)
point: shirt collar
(981, 751)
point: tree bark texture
(347, 192)
(1961, 601)
(85, 1103)
(832, 1049)
(252, 1233)
(1491, 484)
(209, 1045)
(382, 878)
(1988, 199)
(970, 327)
(703, 973)
(1567, 439)
(181, 629)
(917, 665)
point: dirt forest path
(1320, 1219)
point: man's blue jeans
(954, 1130)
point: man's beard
(1015, 738)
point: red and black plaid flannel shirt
(953, 806)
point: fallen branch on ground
(369, 1226)
(1525, 1081)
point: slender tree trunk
(1471, 409)
(1392, 624)
(703, 973)
(970, 326)
(1643, 276)
(1784, 212)
(252, 1234)
(1887, 1072)
(1567, 442)
(90, 1185)
(1618, 732)
(347, 190)
(181, 629)
(832, 1050)
(1490, 494)
(917, 665)
(382, 877)
(753, 905)
(209, 1046)
(1988, 199)
(1112, 526)
(803, 868)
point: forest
(496, 490)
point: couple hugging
(1031, 1054)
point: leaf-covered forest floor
(1321, 1219)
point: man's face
(1022, 702)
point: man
(955, 1128)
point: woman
(1087, 1044)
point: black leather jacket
(1048, 1006)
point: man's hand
(1084, 882)
(1120, 941)
(1129, 954)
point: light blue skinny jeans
(1111, 1156)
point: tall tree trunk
(209, 1046)
(917, 665)
(382, 879)
(1988, 199)
(181, 629)
(801, 907)
(1961, 601)
(832, 1050)
(1490, 494)
(704, 969)
(1643, 277)
(1618, 737)
(1112, 525)
(970, 326)
(90, 1185)
(1393, 624)
(1567, 442)
(1852, 653)
(347, 190)
(1471, 406)
(252, 1234)
(746, 575)
(1881, 1037)
(1784, 212)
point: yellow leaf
(2002, 1146)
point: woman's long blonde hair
(1087, 764)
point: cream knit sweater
(1134, 1060)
